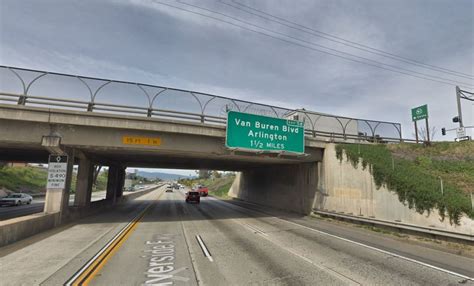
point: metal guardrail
(29, 87)
(399, 225)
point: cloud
(143, 41)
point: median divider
(16, 229)
(136, 194)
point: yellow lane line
(99, 262)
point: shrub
(416, 182)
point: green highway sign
(256, 132)
(420, 112)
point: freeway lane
(8, 212)
(246, 248)
(239, 258)
(218, 243)
(53, 256)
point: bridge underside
(100, 138)
(32, 134)
(152, 159)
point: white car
(16, 199)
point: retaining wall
(348, 190)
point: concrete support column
(57, 200)
(112, 180)
(115, 182)
(120, 181)
(85, 176)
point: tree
(216, 174)
(95, 174)
(204, 174)
(422, 133)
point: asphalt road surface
(7, 212)
(37, 206)
(158, 239)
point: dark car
(193, 196)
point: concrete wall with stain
(287, 187)
(345, 189)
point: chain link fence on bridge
(54, 90)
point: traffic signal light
(456, 119)
(443, 131)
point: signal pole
(416, 132)
(458, 99)
(427, 131)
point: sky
(158, 42)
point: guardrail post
(90, 106)
(202, 118)
(149, 112)
(22, 100)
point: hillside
(23, 179)
(32, 179)
(217, 186)
(415, 173)
(160, 175)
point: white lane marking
(161, 254)
(204, 248)
(383, 251)
(333, 272)
(326, 269)
(256, 229)
(252, 228)
(179, 278)
(363, 245)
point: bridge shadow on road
(177, 210)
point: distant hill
(23, 179)
(162, 176)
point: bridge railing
(54, 90)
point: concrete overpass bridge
(124, 124)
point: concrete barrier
(136, 194)
(76, 213)
(15, 229)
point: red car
(193, 196)
(203, 191)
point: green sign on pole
(420, 112)
(256, 132)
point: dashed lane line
(204, 248)
(464, 277)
